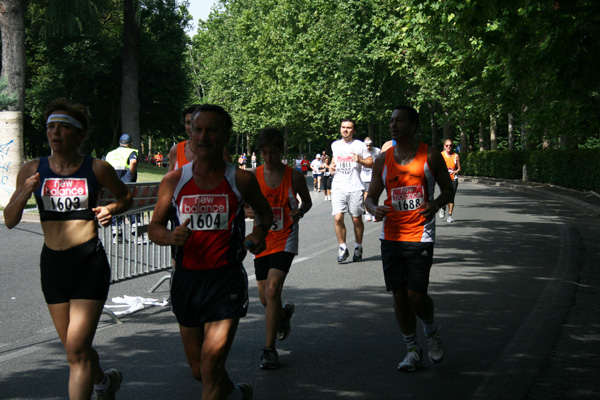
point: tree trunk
(493, 133)
(12, 27)
(11, 152)
(434, 127)
(481, 140)
(286, 142)
(464, 140)
(130, 102)
(447, 126)
(511, 132)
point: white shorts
(366, 185)
(350, 202)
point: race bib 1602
(207, 212)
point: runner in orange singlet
(453, 165)
(409, 172)
(281, 185)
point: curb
(574, 197)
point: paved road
(509, 283)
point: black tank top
(64, 198)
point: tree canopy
(305, 64)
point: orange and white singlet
(283, 235)
(451, 164)
(216, 219)
(181, 160)
(408, 187)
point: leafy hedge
(577, 169)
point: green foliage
(307, 64)
(573, 168)
(6, 99)
(85, 65)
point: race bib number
(344, 165)
(450, 171)
(207, 212)
(277, 219)
(408, 198)
(65, 194)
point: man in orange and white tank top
(281, 185)
(453, 165)
(409, 171)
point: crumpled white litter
(134, 303)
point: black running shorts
(281, 261)
(200, 296)
(406, 264)
(81, 272)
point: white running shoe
(367, 217)
(343, 254)
(450, 219)
(436, 347)
(442, 213)
(412, 361)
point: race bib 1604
(207, 212)
(65, 194)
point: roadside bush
(573, 168)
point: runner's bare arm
(250, 190)
(157, 230)
(375, 189)
(27, 182)
(107, 177)
(300, 187)
(440, 173)
(172, 158)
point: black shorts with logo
(406, 264)
(200, 296)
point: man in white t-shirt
(315, 165)
(365, 173)
(349, 157)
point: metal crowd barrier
(128, 248)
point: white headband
(64, 118)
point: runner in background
(453, 163)
(365, 173)
(281, 185)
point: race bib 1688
(408, 198)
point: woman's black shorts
(81, 272)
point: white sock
(358, 246)
(342, 246)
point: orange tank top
(181, 159)
(283, 235)
(451, 164)
(408, 188)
